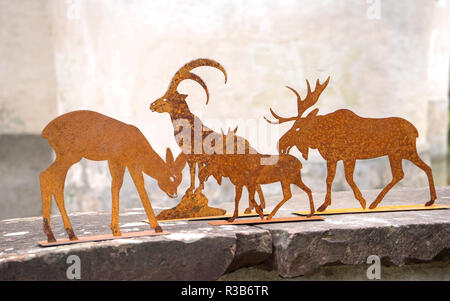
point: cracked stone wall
(385, 58)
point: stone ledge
(198, 251)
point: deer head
(173, 102)
(171, 178)
(302, 131)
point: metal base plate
(378, 209)
(82, 239)
(225, 216)
(273, 220)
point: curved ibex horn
(184, 73)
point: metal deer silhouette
(343, 135)
(192, 144)
(251, 170)
(90, 135)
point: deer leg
(397, 175)
(138, 180)
(60, 175)
(349, 168)
(46, 203)
(331, 172)
(117, 171)
(422, 165)
(286, 196)
(251, 195)
(306, 189)
(237, 197)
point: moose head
(301, 134)
(173, 102)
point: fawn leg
(331, 172)
(397, 175)
(286, 196)
(238, 190)
(251, 195)
(138, 180)
(306, 189)
(117, 171)
(262, 202)
(422, 165)
(349, 167)
(261, 196)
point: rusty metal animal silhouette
(192, 141)
(343, 135)
(250, 170)
(90, 135)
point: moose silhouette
(343, 135)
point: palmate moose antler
(302, 105)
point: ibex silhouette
(175, 105)
(343, 135)
(90, 135)
(248, 170)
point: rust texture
(251, 170)
(276, 220)
(343, 135)
(90, 135)
(192, 136)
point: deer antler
(184, 73)
(302, 105)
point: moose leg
(138, 180)
(236, 203)
(306, 189)
(117, 171)
(286, 196)
(349, 167)
(331, 172)
(397, 175)
(422, 165)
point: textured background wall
(385, 58)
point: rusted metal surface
(265, 221)
(251, 170)
(378, 209)
(91, 135)
(343, 135)
(205, 218)
(192, 137)
(98, 238)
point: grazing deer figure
(175, 105)
(247, 170)
(343, 135)
(90, 135)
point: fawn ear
(169, 157)
(180, 162)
